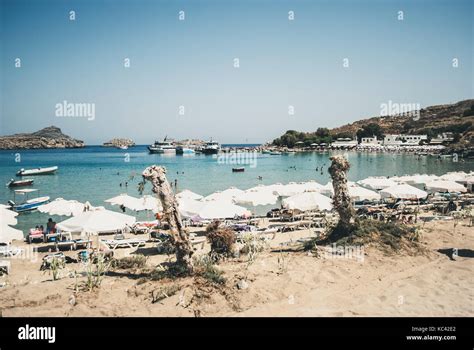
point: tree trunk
(341, 199)
(179, 237)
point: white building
(344, 143)
(403, 140)
(369, 141)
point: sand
(278, 283)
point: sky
(191, 63)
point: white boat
(37, 171)
(162, 147)
(184, 150)
(211, 147)
(27, 204)
(123, 147)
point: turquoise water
(94, 173)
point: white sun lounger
(9, 251)
(123, 243)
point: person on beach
(51, 226)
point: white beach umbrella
(377, 183)
(403, 191)
(311, 186)
(188, 194)
(256, 197)
(123, 199)
(62, 207)
(418, 179)
(457, 176)
(7, 234)
(149, 202)
(98, 220)
(7, 216)
(445, 186)
(357, 193)
(307, 201)
(227, 194)
(290, 189)
(189, 207)
(221, 209)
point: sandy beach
(280, 282)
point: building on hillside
(403, 140)
(370, 141)
(445, 137)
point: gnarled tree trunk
(341, 199)
(179, 237)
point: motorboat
(184, 150)
(162, 147)
(28, 203)
(20, 183)
(211, 147)
(37, 171)
(123, 147)
(238, 170)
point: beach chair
(10, 251)
(35, 234)
(5, 267)
(124, 243)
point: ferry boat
(27, 204)
(211, 147)
(162, 147)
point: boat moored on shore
(162, 147)
(20, 183)
(27, 204)
(211, 147)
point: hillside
(457, 118)
(50, 137)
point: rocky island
(119, 142)
(50, 137)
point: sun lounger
(5, 266)
(61, 244)
(9, 251)
(198, 241)
(123, 243)
(35, 235)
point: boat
(238, 170)
(184, 150)
(37, 171)
(27, 204)
(275, 153)
(123, 147)
(19, 183)
(211, 147)
(162, 147)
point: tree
(179, 237)
(370, 130)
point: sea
(96, 173)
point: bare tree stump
(179, 237)
(341, 199)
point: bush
(129, 262)
(222, 240)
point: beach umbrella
(7, 216)
(7, 234)
(256, 197)
(294, 188)
(458, 176)
(189, 207)
(311, 186)
(357, 193)
(188, 194)
(220, 209)
(403, 191)
(148, 202)
(62, 207)
(377, 183)
(445, 186)
(227, 194)
(98, 220)
(307, 201)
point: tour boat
(211, 147)
(184, 150)
(37, 171)
(162, 147)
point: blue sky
(190, 63)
